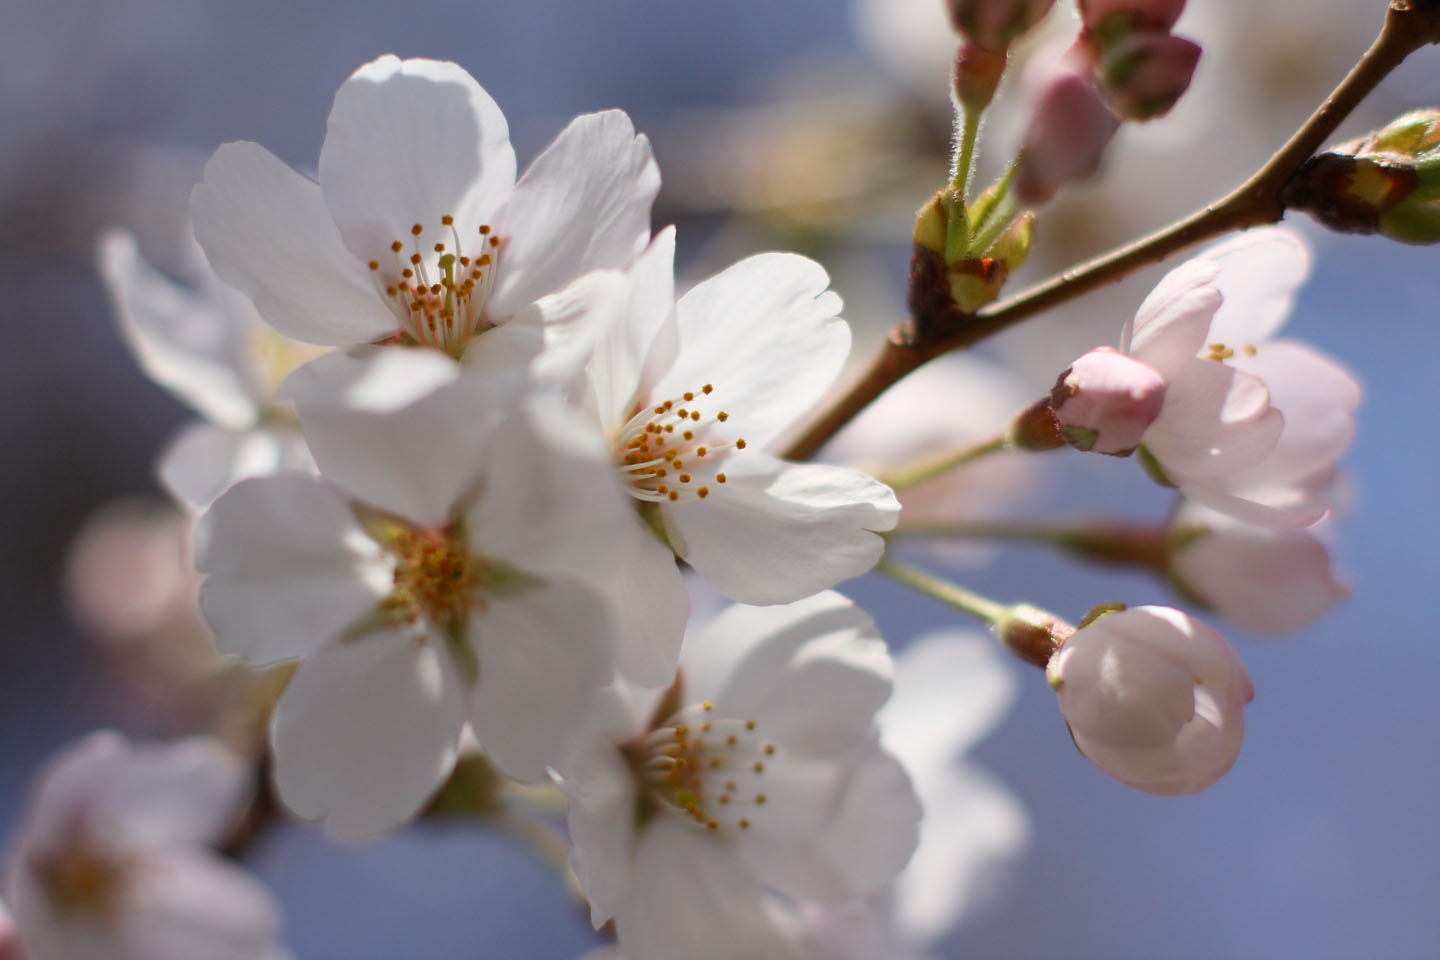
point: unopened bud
(1386, 183)
(993, 24)
(1145, 74)
(930, 223)
(1066, 138)
(977, 75)
(1106, 401)
(1109, 20)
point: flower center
(437, 578)
(78, 880)
(438, 293)
(710, 770)
(674, 450)
(1219, 352)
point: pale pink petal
(185, 793)
(1173, 323)
(1216, 421)
(183, 341)
(951, 689)
(366, 731)
(289, 568)
(266, 231)
(1261, 270)
(776, 532)
(1279, 508)
(765, 333)
(410, 142)
(583, 205)
(545, 649)
(811, 674)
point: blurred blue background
(1321, 843)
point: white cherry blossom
(1263, 580)
(113, 861)
(205, 344)
(1154, 698)
(689, 395)
(450, 568)
(1250, 425)
(757, 773)
(417, 230)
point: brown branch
(1409, 25)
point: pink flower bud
(1145, 74)
(9, 939)
(1157, 15)
(1106, 401)
(1068, 132)
(1154, 698)
(992, 24)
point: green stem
(969, 135)
(1113, 544)
(981, 608)
(919, 473)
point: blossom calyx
(994, 24)
(1386, 183)
(1144, 74)
(1034, 635)
(1110, 20)
(1154, 698)
(1106, 401)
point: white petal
(550, 504)
(810, 673)
(692, 898)
(874, 831)
(183, 341)
(266, 231)
(1260, 273)
(620, 357)
(545, 650)
(600, 799)
(1278, 508)
(1171, 324)
(183, 793)
(402, 430)
(289, 568)
(203, 461)
(765, 333)
(193, 905)
(972, 826)
(410, 142)
(366, 731)
(583, 205)
(951, 689)
(1216, 421)
(775, 532)
(69, 785)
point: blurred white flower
(1250, 426)
(417, 229)
(1262, 580)
(113, 861)
(757, 772)
(1154, 698)
(689, 394)
(448, 569)
(205, 344)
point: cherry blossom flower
(689, 394)
(205, 344)
(417, 230)
(758, 772)
(1154, 698)
(1262, 580)
(442, 573)
(1251, 426)
(112, 862)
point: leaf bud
(1145, 74)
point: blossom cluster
(468, 458)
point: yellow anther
(417, 230)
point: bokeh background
(816, 125)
